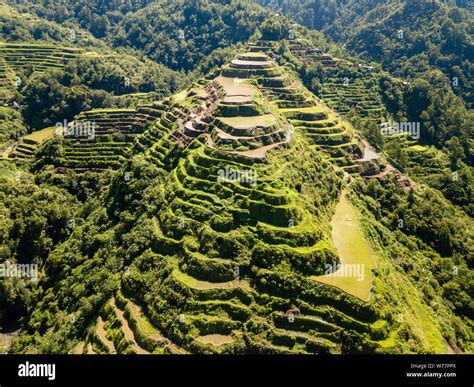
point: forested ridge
(407, 38)
(178, 33)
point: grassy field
(216, 340)
(205, 285)
(418, 148)
(352, 249)
(265, 120)
(41, 135)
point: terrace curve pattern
(238, 238)
(17, 57)
(348, 86)
(104, 138)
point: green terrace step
(330, 139)
(288, 103)
(328, 130)
(91, 154)
(303, 323)
(87, 144)
(209, 324)
(39, 57)
(232, 309)
(266, 346)
(279, 81)
(308, 343)
(251, 142)
(91, 164)
(77, 154)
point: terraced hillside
(238, 243)
(353, 95)
(7, 82)
(346, 86)
(39, 57)
(235, 248)
(306, 53)
(28, 145)
(256, 209)
(17, 57)
(104, 138)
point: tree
(456, 151)
(274, 29)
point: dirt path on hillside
(101, 333)
(369, 153)
(129, 335)
(6, 340)
(139, 315)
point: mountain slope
(244, 214)
(43, 64)
(407, 38)
(214, 237)
(176, 33)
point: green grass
(418, 148)
(352, 248)
(265, 120)
(42, 135)
(205, 285)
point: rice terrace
(222, 177)
(354, 252)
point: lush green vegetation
(406, 37)
(205, 213)
(11, 126)
(35, 219)
(176, 33)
